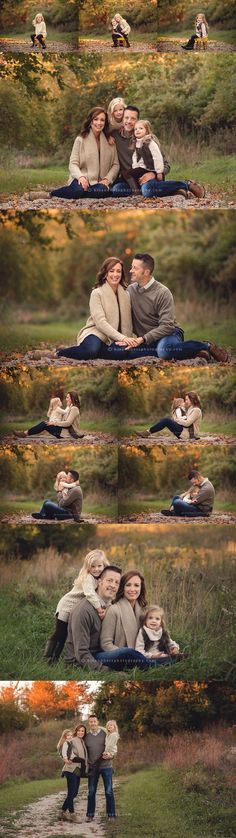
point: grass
(224, 424)
(52, 35)
(15, 795)
(226, 36)
(101, 423)
(10, 506)
(148, 503)
(146, 37)
(218, 173)
(155, 804)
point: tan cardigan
(79, 750)
(120, 626)
(87, 161)
(71, 419)
(193, 417)
(106, 310)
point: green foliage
(12, 717)
(95, 15)
(183, 13)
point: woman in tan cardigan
(93, 163)
(110, 315)
(120, 625)
(185, 426)
(67, 426)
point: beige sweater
(88, 161)
(106, 311)
(193, 417)
(71, 419)
(120, 626)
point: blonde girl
(115, 113)
(55, 410)
(73, 757)
(84, 585)
(112, 737)
(153, 640)
(201, 31)
(147, 157)
(120, 26)
(40, 32)
(63, 485)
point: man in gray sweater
(67, 508)
(201, 505)
(99, 766)
(84, 626)
(154, 322)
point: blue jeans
(51, 511)
(75, 190)
(73, 781)
(106, 774)
(167, 422)
(187, 510)
(44, 426)
(151, 189)
(167, 348)
(90, 347)
(128, 658)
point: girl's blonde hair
(111, 107)
(113, 722)
(90, 558)
(60, 476)
(63, 737)
(149, 610)
(39, 15)
(204, 20)
(177, 402)
(146, 124)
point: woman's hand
(104, 182)
(84, 183)
(130, 343)
(174, 652)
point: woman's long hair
(88, 121)
(74, 398)
(142, 598)
(105, 267)
(194, 399)
(77, 727)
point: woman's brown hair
(88, 121)
(142, 598)
(74, 397)
(78, 728)
(105, 267)
(194, 399)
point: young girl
(120, 27)
(71, 770)
(62, 485)
(112, 737)
(147, 157)
(178, 408)
(55, 410)
(40, 31)
(84, 585)
(201, 31)
(115, 113)
(153, 639)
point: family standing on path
(106, 623)
(88, 753)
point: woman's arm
(74, 164)
(188, 420)
(98, 315)
(66, 423)
(115, 166)
(108, 631)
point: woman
(93, 163)
(184, 427)
(73, 751)
(121, 624)
(65, 427)
(110, 315)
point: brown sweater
(153, 311)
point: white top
(158, 163)
(69, 600)
(111, 743)
(40, 28)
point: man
(99, 766)
(84, 628)
(67, 508)
(154, 322)
(200, 505)
(125, 144)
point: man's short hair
(93, 716)
(193, 473)
(113, 567)
(147, 260)
(132, 108)
(75, 474)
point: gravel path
(47, 439)
(174, 45)
(26, 518)
(40, 819)
(158, 518)
(41, 358)
(214, 201)
(11, 45)
(93, 45)
(165, 441)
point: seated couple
(184, 422)
(63, 423)
(69, 496)
(117, 155)
(107, 623)
(128, 322)
(197, 502)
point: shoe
(38, 196)
(143, 434)
(72, 817)
(63, 816)
(183, 192)
(167, 513)
(89, 818)
(196, 189)
(204, 354)
(20, 434)
(37, 515)
(218, 353)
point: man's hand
(159, 176)
(130, 343)
(84, 183)
(111, 140)
(101, 613)
(146, 177)
(106, 755)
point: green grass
(146, 37)
(10, 506)
(129, 505)
(19, 180)
(52, 35)
(155, 804)
(226, 36)
(100, 423)
(20, 793)
(223, 425)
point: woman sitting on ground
(63, 424)
(184, 426)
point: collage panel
(199, 27)
(178, 738)
(48, 26)
(102, 27)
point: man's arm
(165, 315)
(81, 627)
(75, 495)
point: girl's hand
(84, 183)
(111, 141)
(159, 176)
(101, 612)
(174, 652)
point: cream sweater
(120, 626)
(193, 417)
(107, 310)
(40, 28)
(88, 161)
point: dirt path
(175, 45)
(165, 441)
(26, 518)
(211, 201)
(93, 45)
(11, 45)
(158, 518)
(47, 439)
(39, 359)
(40, 819)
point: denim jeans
(167, 348)
(51, 511)
(75, 190)
(106, 774)
(187, 510)
(73, 781)
(90, 347)
(162, 188)
(128, 658)
(167, 422)
(44, 426)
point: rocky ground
(41, 819)
(94, 45)
(26, 518)
(11, 45)
(175, 45)
(43, 357)
(166, 442)
(211, 201)
(158, 518)
(47, 439)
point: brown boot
(196, 189)
(204, 354)
(183, 192)
(219, 354)
(143, 434)
(20, 434)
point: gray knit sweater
(153, 311)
